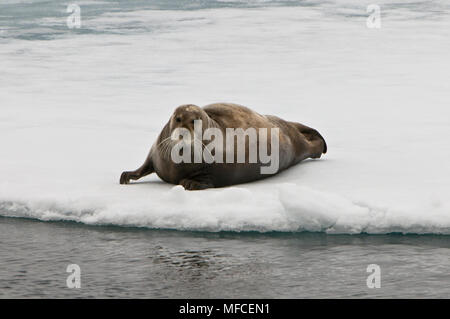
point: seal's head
(191, 118)
(185, 116)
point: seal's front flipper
(144, 170)
(194, 184)
(127, 176)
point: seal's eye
(193, 121)
(178, 119)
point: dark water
(141, 263)
(24, 19)
(45, 19)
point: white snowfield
(78, 110)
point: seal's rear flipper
(312, 135)
(325, 148)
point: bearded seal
(296, 142)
